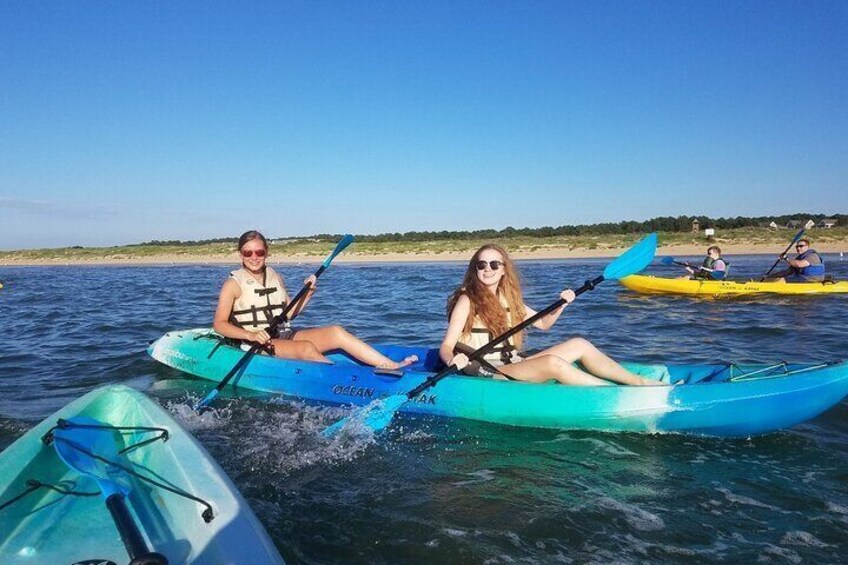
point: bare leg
(328, 338)
(302, 350)
(595, 361)
(541, 368)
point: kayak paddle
(671, 261)
(77, 447)
(379, 413)
(281, 318)
(794, 240)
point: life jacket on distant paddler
(259, 301)
(714, 275)
(812, 271)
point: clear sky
(122, 122)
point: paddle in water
(86, 450)
(275, 323)
(379, 413)
(785, 251)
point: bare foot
(399, 364)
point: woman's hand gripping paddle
(203, 405)
(379, 413)
(785, 251)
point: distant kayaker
(255, 293)
(485, 306)
(714, 266)
(807, 266)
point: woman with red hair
(490, 302)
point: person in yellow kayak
(714, 267)
(490, 302)
(807, 266)
(255, 293)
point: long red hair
(485, 305)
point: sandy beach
(353, 257)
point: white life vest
(503, 354)
(259, 301)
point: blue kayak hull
(715, 400)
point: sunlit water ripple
(459, 491)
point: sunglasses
(246, 253)
(800, 245)
(494, 265)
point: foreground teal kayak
(177, 498)
(726, 399)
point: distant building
(809, 225)
(793, 224)
(773, 225)
(828, 223)
(696, 225)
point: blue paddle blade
(341, 246)
(376, 416)
(207, 400)
(667, 260)
(633, 260)
(72, 443)
(798, 236)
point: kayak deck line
(786, 372)
(208, 513)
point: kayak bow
(181, 501)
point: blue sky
(122, 122)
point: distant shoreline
(422, 257)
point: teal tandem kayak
(177, 498)
(723, 399)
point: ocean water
(457, 491)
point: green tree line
(661, 224)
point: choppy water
(454, 491)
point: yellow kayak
(714, 289)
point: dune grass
(316, 247)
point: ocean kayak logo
(367, 392)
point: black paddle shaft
(785, 251)
(431, 381)
(133, 541)
(283, 316)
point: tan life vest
(259, 301)
(503, 354)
